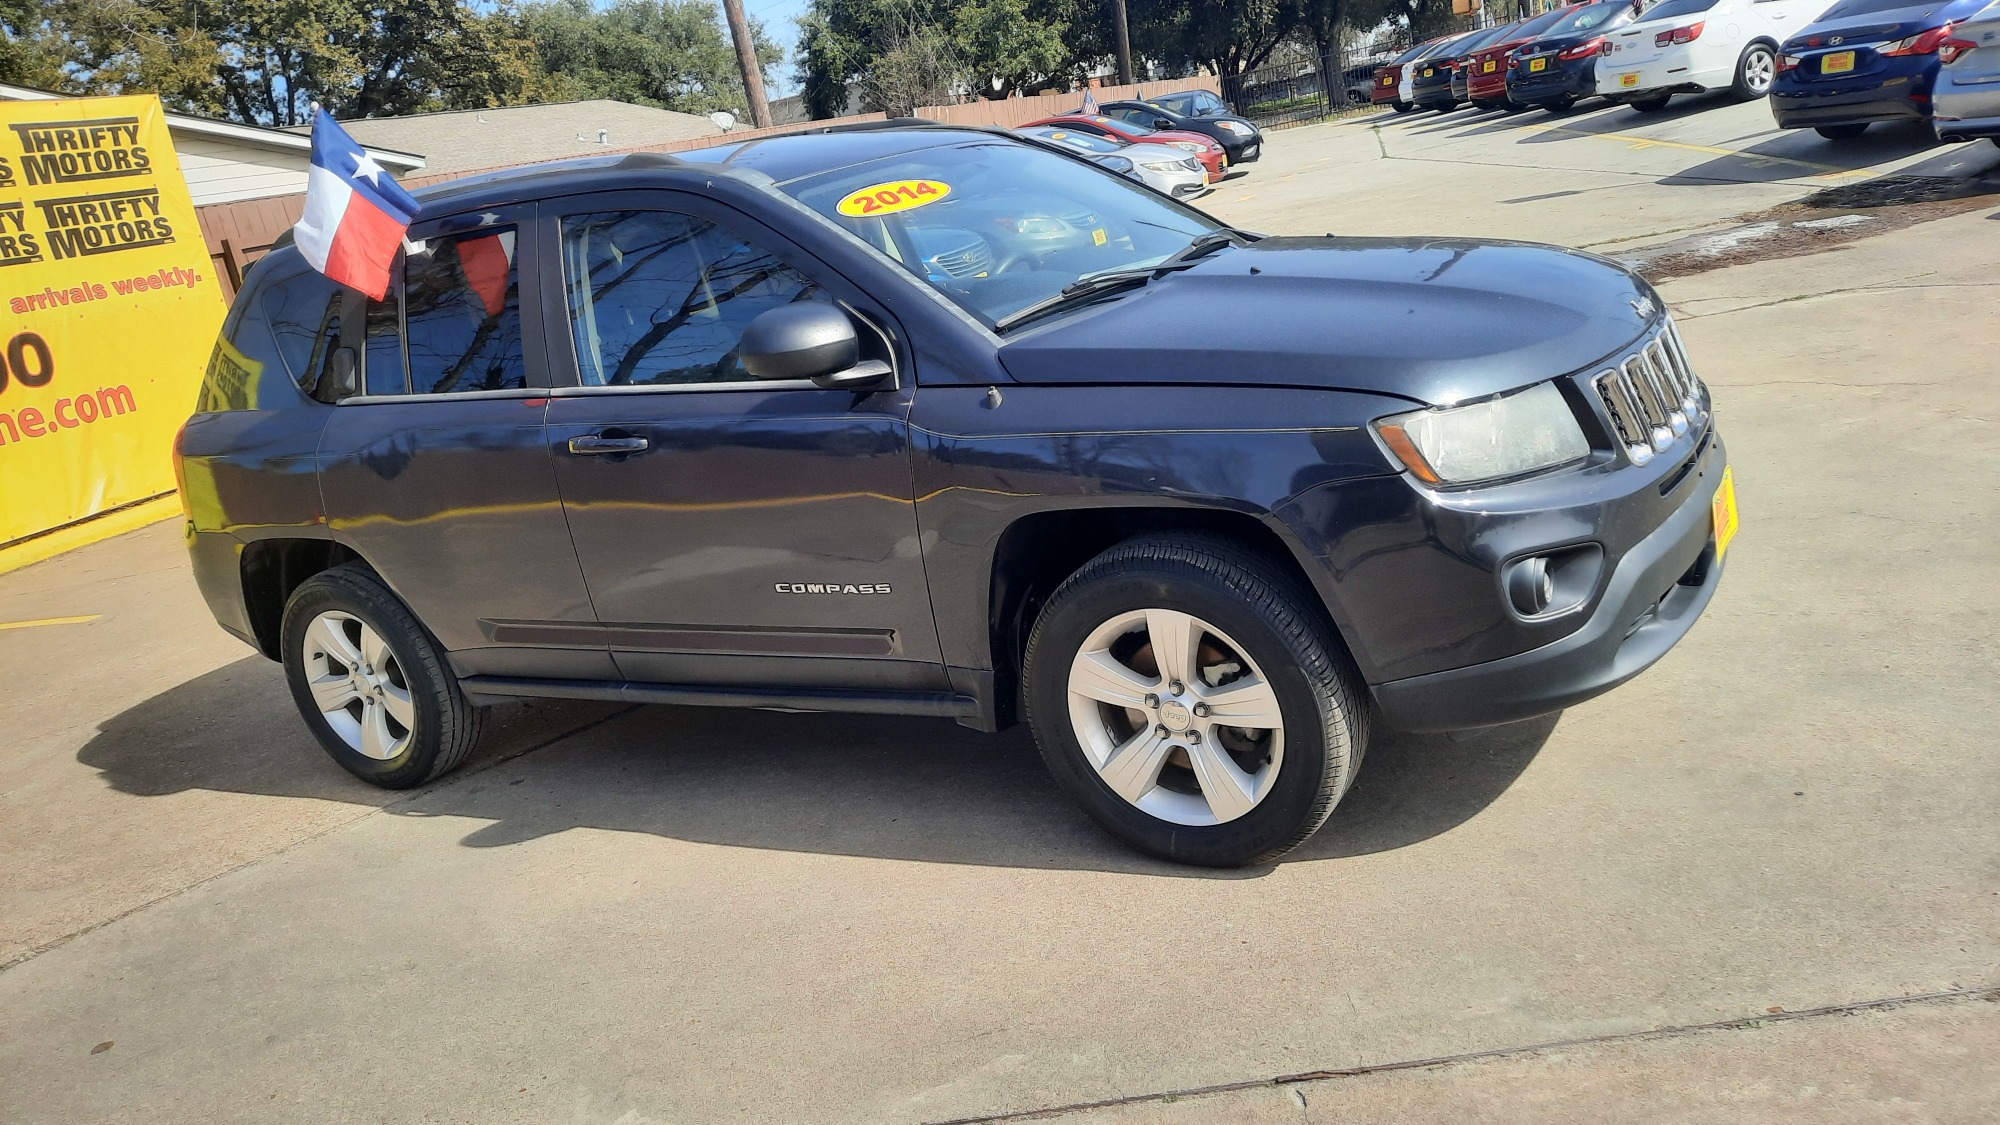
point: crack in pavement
(438, 786)
(1986, 992)
(1797, 297)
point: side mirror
(338, 381)
(808, 340)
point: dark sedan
(1861, 62)
(1560, 68)
(1241, 141)
(1438, 83)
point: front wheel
(1194, 700)
(1846, 132)
(371, 684)
(1754, 72)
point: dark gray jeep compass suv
(936, 421)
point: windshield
(1673, 8)
(1538, 25)
(1590, 17)
(1492, 35)
(1088, 142)
(998, 226)
(1124, 126)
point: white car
(1164, 168)
(1404, 94)
(1692, 46)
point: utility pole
(1123, 35)
(746, 57)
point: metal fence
(1313, 89)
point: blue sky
(778, 18)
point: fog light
(1530, 586)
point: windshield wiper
(1093, 286)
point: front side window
(661, 298)
(996, 225)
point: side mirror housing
(808, 340)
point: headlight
(1170, 166)
(1502, 437)
(1188, 145)
(1236, 127)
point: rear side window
(301, 312)
(275, 335)
(462, 314)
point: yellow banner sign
(108, 310)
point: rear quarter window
(271, 343)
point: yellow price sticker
(889, 198)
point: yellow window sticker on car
(1099, 237)
(889, 198)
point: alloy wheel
(1758, 70)
(1175, 717)
(358, 685)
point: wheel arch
(272, 569)
(1039, 550)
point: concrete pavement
(689, 916)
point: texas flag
(356, 212)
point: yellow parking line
(84, 620)
(1755, 158)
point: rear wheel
(1560, 105)
(1653, 104)
(1403, 107)
(371, 684)
(1754, 72)
(1845, 132)
(1483, 106)
(1194, 701)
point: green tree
(1002, 46)
(668, 53)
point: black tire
(1281, 630)
(1484, 106)
(1509, 105)
(445, 728)
(1652, 104)
(1755, 69)
(1559, 105)
(1403, 107)
(1846, 132)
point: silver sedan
(1965, 102)
(1165, 169)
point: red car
(1487, 69)
(1205, 150)
(1387, 88)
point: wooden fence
(240, 233)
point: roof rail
(651, 160)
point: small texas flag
(356, 212)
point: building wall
(223, 171)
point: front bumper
(1659, 587)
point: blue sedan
(1864, 61)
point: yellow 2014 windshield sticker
(889, 198)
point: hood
(1434, 320)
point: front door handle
(607, 443)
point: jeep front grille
(1653, 396)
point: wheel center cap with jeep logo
(1175, 715)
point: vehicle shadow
(1802, 153)
(857, 785)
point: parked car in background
(1560, 68)
(1163, 168)
(1204, 149)
(1242, 141)
(1461, 75)
(1966, 99)
(1194, 103)
(1431, 84)
(1864, 61)
(1388, 84)
(1442, 48)
(1358, 80)
(1694, 46)
(1486, 82)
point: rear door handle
(602, 443)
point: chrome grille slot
(968, 261)
(1652, 396)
